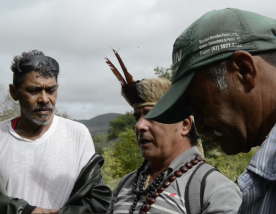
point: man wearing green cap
(173, 177)
(224, 72)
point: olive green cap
(210, 39)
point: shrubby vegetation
(100, 142)
(8, 107)
(116, 126)
(119, 124)
(231, 166)
(162, 72)
(121, 157)
(122, 154)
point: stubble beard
(30, 115)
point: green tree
(119, 124)
(100, 138)
(8, 107)
(100, 141)
(231, 166)
(121, 157)
(162, 72)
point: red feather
(128, 76)
(116, 72)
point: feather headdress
(145, 92)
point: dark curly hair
(19, 77)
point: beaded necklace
(155, 188)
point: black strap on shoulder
(203, 184)
(187, 190)
(194, 190)
(91, 163)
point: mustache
(210, 133)
(42, 107)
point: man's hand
(38, 210)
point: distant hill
(100, 123)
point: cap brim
(170, 108)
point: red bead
(194, 162)
(142, 212)
(203, 160)
(166, 184)
(184, 169)
(146, 207)
(189, 165)
(198, 158)
(171, 178)
(178, 173)
(160, 189)
(151, 201)
(155, 194)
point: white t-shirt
(43, 172)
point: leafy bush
(120, 124)
(121, 158)
(100, 141)
(231, 166)
(162, 72)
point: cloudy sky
(79, 34)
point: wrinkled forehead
(34, 77)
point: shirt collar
(263, 162)
(42, 138)
(184, 157)
(180, 160)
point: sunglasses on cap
(31, 62)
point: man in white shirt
(41, 154)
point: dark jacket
(89, 194)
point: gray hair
(217, 73)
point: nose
(43, 97)
(141, 125)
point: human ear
(186, 126)
(13, 92)
(243, 64)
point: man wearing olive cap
(47, 163)
(224, 68)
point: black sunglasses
(31, 62)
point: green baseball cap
(210, 39)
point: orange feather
(128, 76)
(116, 72)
